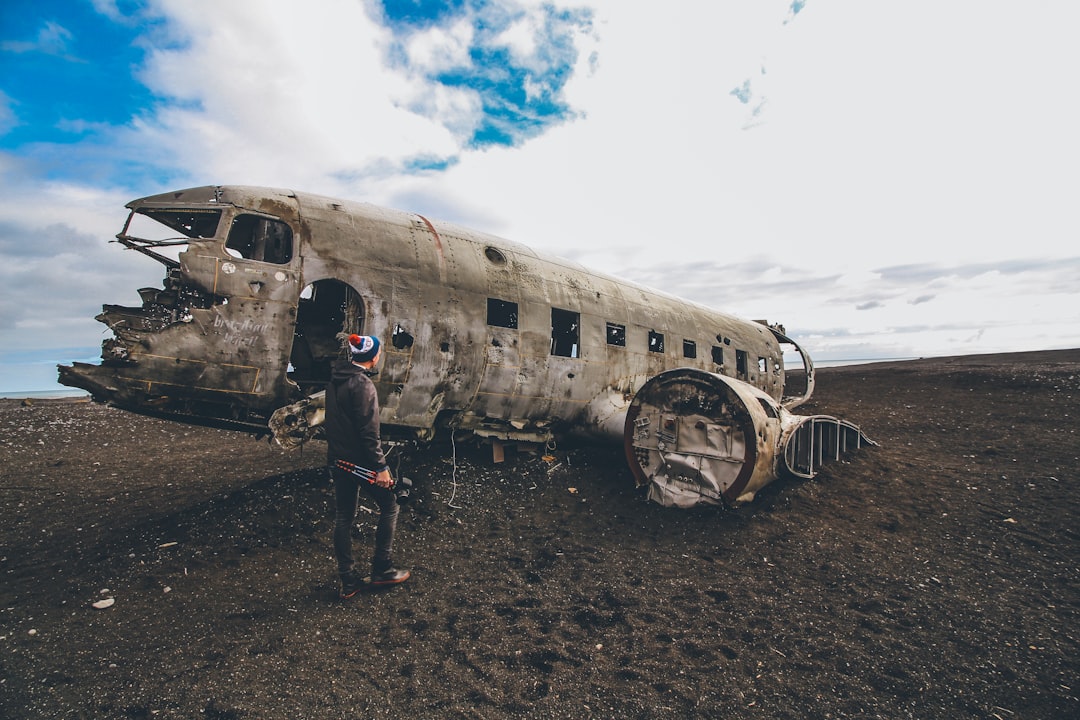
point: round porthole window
(495, 255)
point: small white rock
(102, 604)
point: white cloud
(8, 118)
(903, 134)
(294, 96)
(440, 49)
(520, 38)
(59, 267)
(51, 39)
(111, 10)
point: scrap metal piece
(298, 422)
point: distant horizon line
(65, 392)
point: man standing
(356, 460)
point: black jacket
(352, 418)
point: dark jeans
(347, 494)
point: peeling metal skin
(479, 333)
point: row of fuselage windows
(566, 335)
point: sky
(885, 179)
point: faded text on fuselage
(240, 332)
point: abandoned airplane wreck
(480, 335)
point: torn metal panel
(298, 422)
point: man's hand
(383, 479)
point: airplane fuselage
(480, 334)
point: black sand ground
(932, 577)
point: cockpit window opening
(254, 237)
(192, 222)
(153, 232)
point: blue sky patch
(66, 70)
(420, 13)
(520, 97)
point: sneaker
(389, 577)
(350, 585)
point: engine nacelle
(698, 437)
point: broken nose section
(84, 376)
(129, 325)
(101, 381)
(116, 380)
(696, 437)
(177, 356)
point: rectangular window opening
(689, 349)
(717, 355)
(656, 342)
(762, 365)
(194, 223)
(502, 313)
(616, 334)
(253, 237)
(565, 333)
(741, 368)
